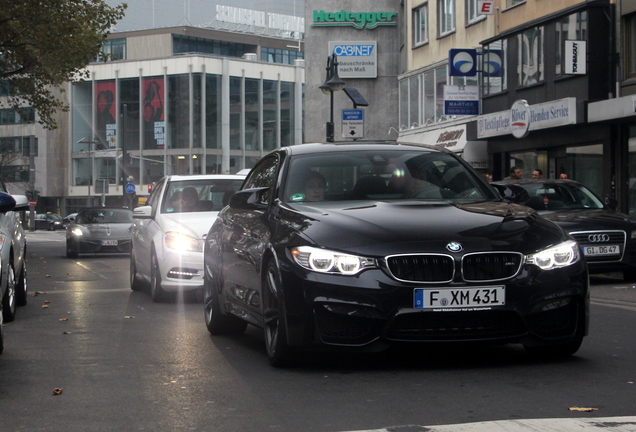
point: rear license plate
(602, 250)
(459, 298)
(108, 242)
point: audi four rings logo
(598, 238)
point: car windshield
(55, 217)
(202, 195)
(382, 175)
(99, 216)
(554, 196)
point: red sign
(32, 203)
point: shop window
(585, 164)
(446, 16)
(571, 27)
(420, 25)
(530, 61)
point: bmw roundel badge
(454, 247)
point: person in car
(314, 188)
(186, 200)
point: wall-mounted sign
(256, 18)
(461, 100)
(520, 119)
(356, 59)
(462, 62)
(541, 116)
(575, 57)
(486, 7)
(358, 20)
(353, 123)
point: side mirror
(249, 199)
(611, 203)
(7, 202)
(143, 212)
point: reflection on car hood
(193, 224)
(576, 220)
(370, 227)
(114, 230)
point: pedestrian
(564, 176)
(515, 173)
(537, 174)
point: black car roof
(311, 148)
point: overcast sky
(144, 14)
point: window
(630, 46)
(113, 49)
(10, 116)
(446, 9)
(15, 173)
(277, 55)
(571, 27)
(494, 68)
(422, 98)
(472, 12)
(187, 44)
(420, 25)
(510, 3)
(530, 61)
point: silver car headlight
(77, 232)
(326, 261)
(561, 255)
(183, 242)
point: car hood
(585, 220)
(416, 226)
(195, 225)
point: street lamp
(333, 83)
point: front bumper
(181, 271)
(542, 307)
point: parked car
(403, 244)
(13, 269)
(99, 230)
(167, 238)
(606, 237)
(49, 221)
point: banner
(153, 111)
(105, 105)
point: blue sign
(130, 188)
(462, 62)
(461, 107)
(352, 115)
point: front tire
(135, 282)
(8, 300)
(156, 292)
(216, 321)
(72, 251)
(51, 227)
(21, 286)
(279, 353)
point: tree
(45, 43)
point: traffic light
(149, 188)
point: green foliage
(45, 43)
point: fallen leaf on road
(583, 409)
(37, 293)
(57, 391)
(48, 276)
(63, 319)
(44, 306)
(66, 333)
(129, 316)
(47, 301)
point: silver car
(13, 273)
(99, 230)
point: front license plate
(459, 298)
(108, 242)
(602, 250)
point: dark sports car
(359, 246)
(99, 230)
(607, 237)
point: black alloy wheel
(279, 353)
(8, 300)
(217, 322)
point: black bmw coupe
(360, 246)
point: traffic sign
(32, 203)
(353, 123)
(130, 188)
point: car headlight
(325, 261)
(77, 232)
(558, 256)
(183, 242)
